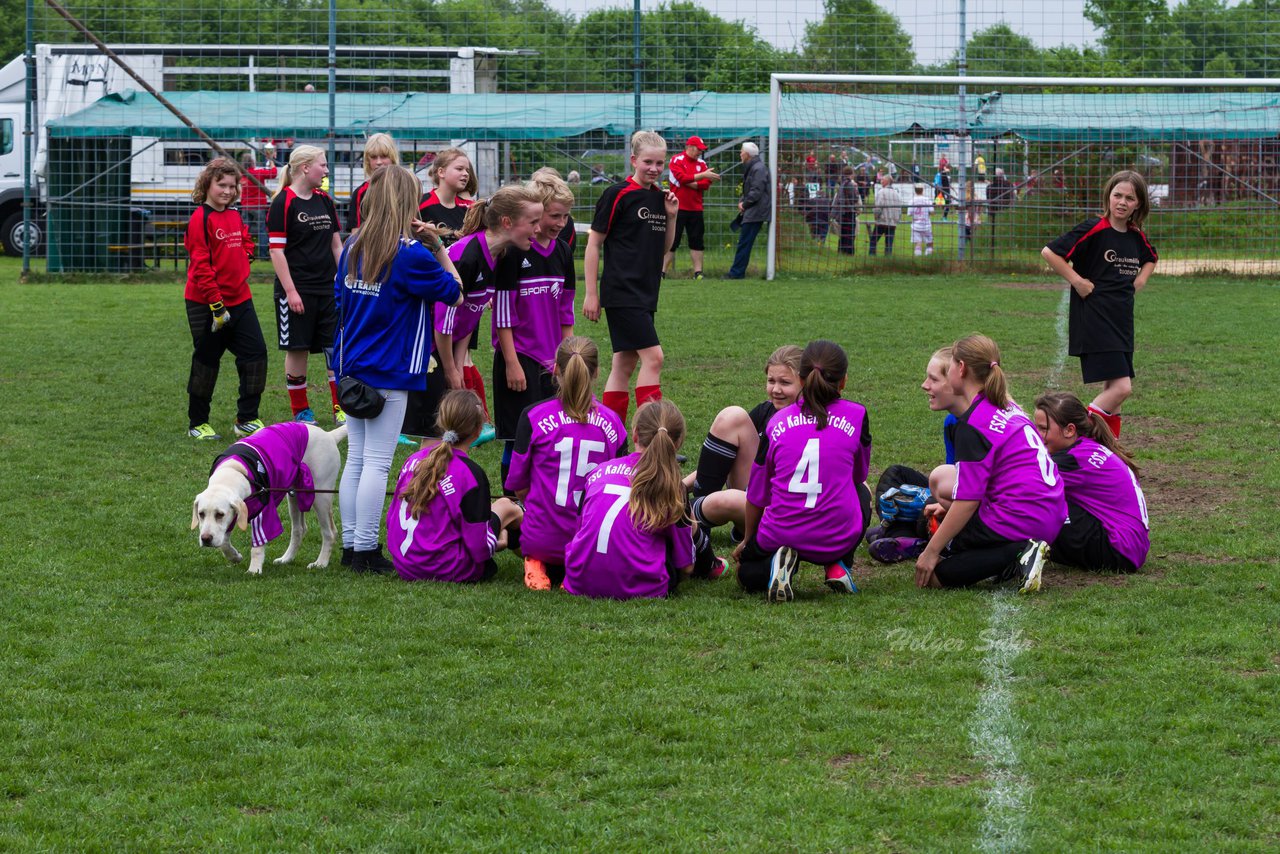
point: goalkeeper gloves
(221, 317)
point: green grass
(153, 696)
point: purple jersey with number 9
(552, 457)
(610, 556)
(807, 479)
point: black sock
(715, 462)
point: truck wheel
(12, 235)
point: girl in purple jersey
(634, 535)
(731, 445)
(558, 444)
(1107, 526)
(440, 525)
(1002, 501)
(807, 498)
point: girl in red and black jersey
(379, 150)
(1106, 260)
(305, 245)
(219, 304)
(445, 207)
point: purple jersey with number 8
(1101, 483)
(1002, 462)
(609, 556)
(552, 458)
(807, 479)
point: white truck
(70, 78)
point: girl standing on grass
(558, 443)
(507, 220)
(732, 442)
(440, 525)
(807, 498)
(385, 285)
(379, 150)
(219, 303)
(1002, 502)
(1106, 260)
(532, 313)
(1108, 522)
(634, 536)
(305, 244)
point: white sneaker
(1030, 565)
(784, 564)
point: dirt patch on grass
(1069, 578)
(928, 780)
(257, 810)
(844, 760)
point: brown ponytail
(509, 201)
(981, 357)
(822, 366)
(577, 362)
(459, 419)
(657, 491)
(1063, 408)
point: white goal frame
(960, 83)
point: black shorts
(631, 329)
(693, 222)
(1100, 367)
(508, 404)
(976, 534)
(312, 330)
(1084, 543)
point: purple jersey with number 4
(552, 458)
(807, 479)
(1002, 462)
(455, 535)
(1100, 482)
(609, 556)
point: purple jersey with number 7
(1002, 462)
(552, 458)
(1101, 483)
(806, 479)
(609, 556)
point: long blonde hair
(300, 158)
(577, 363)
(458, 419)
(389, 208)
(657, 491)
(380, 145)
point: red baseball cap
(696, 142)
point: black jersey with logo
(446, 220)
(634, 222)
(304, 229)
(1103, 321)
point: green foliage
(857, 37)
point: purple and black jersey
(633, 221)
(553, 457)
(304, 229)
(806, 480)
(1103, 485)
(1103, 321)
(1002, 462)
(273, 458)
(456, 534)
(475, 265)
(609, 556)
(534, 299)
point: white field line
(996, 730)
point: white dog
(250, 479)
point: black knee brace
(203, 379)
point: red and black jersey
(1103, 321)
(304, 229)
(634, 222)
(219, 246)
(447, 220)
(569, 234)
(357, 199)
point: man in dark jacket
(755, 207)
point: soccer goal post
(985, 171)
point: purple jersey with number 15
(609, 556)
(552, 458)
(807, 479)
(1100, 482)
(1002, 462)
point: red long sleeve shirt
(219, 247)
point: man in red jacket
(690, 178)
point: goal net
(984, 171)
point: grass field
(154, 697)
